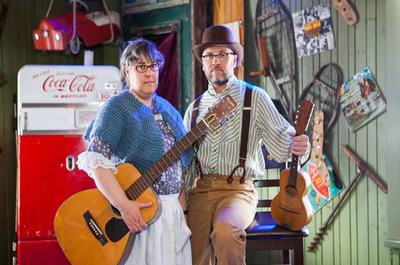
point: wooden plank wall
(226, 11)
(358, 233)
(16, 50)
(393, 95)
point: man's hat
(218, 35)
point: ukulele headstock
(220, 111)
(303, 116)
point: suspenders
(243, 138)
(195, 112)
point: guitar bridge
(94, 228)
(288, 210)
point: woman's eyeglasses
(142, 68)
(223, 56)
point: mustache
(216, 68)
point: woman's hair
(135, 50)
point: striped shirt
(219, 150)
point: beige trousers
(219, 213)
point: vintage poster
(361, 99)
(313, 30)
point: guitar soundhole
(116, 229)
(291, 190)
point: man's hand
(299, 145)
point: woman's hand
(130, 213)
(129, 210)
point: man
(223, 201)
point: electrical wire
(110, 19)
(74, 44)
(49, 8)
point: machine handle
(70, 163)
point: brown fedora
(218, 35)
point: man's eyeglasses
(223, 56)
(142, 68)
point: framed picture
(361, 99)
(313, 30)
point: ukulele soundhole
(291, 190)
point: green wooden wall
(358, 234)
(16, 50)
(368, 218)
(392, 150)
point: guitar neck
(293, 171)
(302, 119)
(154, 172)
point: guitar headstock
(303, 116)
(219, 112)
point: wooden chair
(265, 234)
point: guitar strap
(244, 137)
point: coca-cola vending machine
(55, 105)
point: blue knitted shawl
(128, 127)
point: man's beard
(219, 81)
(222, 80)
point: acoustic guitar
(291, 207)
(91, 231)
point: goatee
(220, 81)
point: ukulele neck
(293, 171)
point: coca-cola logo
(74, 84)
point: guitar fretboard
(151, 175)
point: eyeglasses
(223, 56)
(142, 68)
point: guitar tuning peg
(216, 126)
(223, 121)
(229, 116)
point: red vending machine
(55, 105)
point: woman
(138, 127)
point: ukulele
(91, 231)
(291, 207)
